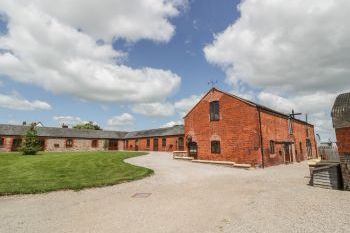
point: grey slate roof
(341, 111)
(169, 131)
(18, 130)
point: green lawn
(46, 172)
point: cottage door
(287, 153)
(155, 144)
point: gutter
(261, 139)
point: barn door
(309, 148)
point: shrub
(30, 144)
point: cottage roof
(341, 111)
(169, 131)
(18, 130)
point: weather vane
(212, 83)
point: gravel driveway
(186, 197)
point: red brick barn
(225, 127)
(341, 123)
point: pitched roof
(169, 131)
(17, 130)
(251, 103)
(341, 111)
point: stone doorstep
(236, 165)
(242, 165)
(183, 158)
(214, 162)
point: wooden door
(155, 144)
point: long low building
(68, 139)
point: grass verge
(45, 172)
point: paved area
(186, 197)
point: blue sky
(183, 55)
(143, 64)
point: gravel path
(186, 197)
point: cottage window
(2, 142)
(214, 111)
(148, 144)
(272, 147)
(94, 143)
(56, 145)
(69, 143)
(215, 147)
(163, 142)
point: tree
(30, 144)
(89, 125)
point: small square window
(215, 147)
(94, 143)
(69, 143)
(56, 145)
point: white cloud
(44, 47)
(120, 121)
(68, 120)
(292, 49)
(293, 46)
(184, 105)
(154, 109)
(276, 102)
(172, 123)
(19, 103)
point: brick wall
(275, 128)
(59, 144)
(171, 144)
(6, 147)
(343, 140)
(237, 130)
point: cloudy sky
(140, 64)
